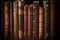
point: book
(11, 20)
(36, 20)
(46, 5)
(41, 22)
(6, 20)
(26, 21)
(52, 19)
(21, 18)
(30, 17)
(15, 16)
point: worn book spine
(26, 21)
(46, 20)
(21, 18)
(52, 19)
(11, 20)
(15, 15)
(41, 22)
(30, 29)
(6, 20)
(36, 20)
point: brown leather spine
(52, 19)
(6, 20)
(36, 20)
(15, 15)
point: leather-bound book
(30, 28)
(11, 20)
(52, 19)
(15, 16)
(35, 20)
(6, 20)
(21, 18)
(46, 20)
(26, 21)
(41, 22)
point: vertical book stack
(29, 21)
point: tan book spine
(26, 21)
(41, 16)
(15, 14)
(21, 18)
(36, 20)
(6, 20)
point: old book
(41, 22)
(52, 19)
(11, 20)
(6, 20)
(30, 28)
(26, 21)
(36, 20)
(21, 18)
(46, 20)
(15, 15)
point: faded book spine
(11, 20)
(35, 19)
(52, 19)
(26, 21)
(30, 29)
(46, 20)
(6, 20)
(41, 22)
(15, 16)
(21, 19)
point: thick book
(21, 18)
(36, 20)
(30, 27)
(26, 21)
(52, 19)
(11, 20)
(15, 16)
(6, 20)
(46, 5)
(41, 22)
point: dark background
(30, 2)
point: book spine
(11, 21)
(35, 19)
(30, 29)
(25, 21)
(52, 20)
(15, 15)
(21, 19)
(41, 22)
(6, 20)
(46, 20)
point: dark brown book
(36, 20)
(52, 19)
(41, 23)
(21, 18)
(11, 20)
(30, 28)
(26, 21)
(15, 15)
(6, 20)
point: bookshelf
(28, 3)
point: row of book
(23, 21)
